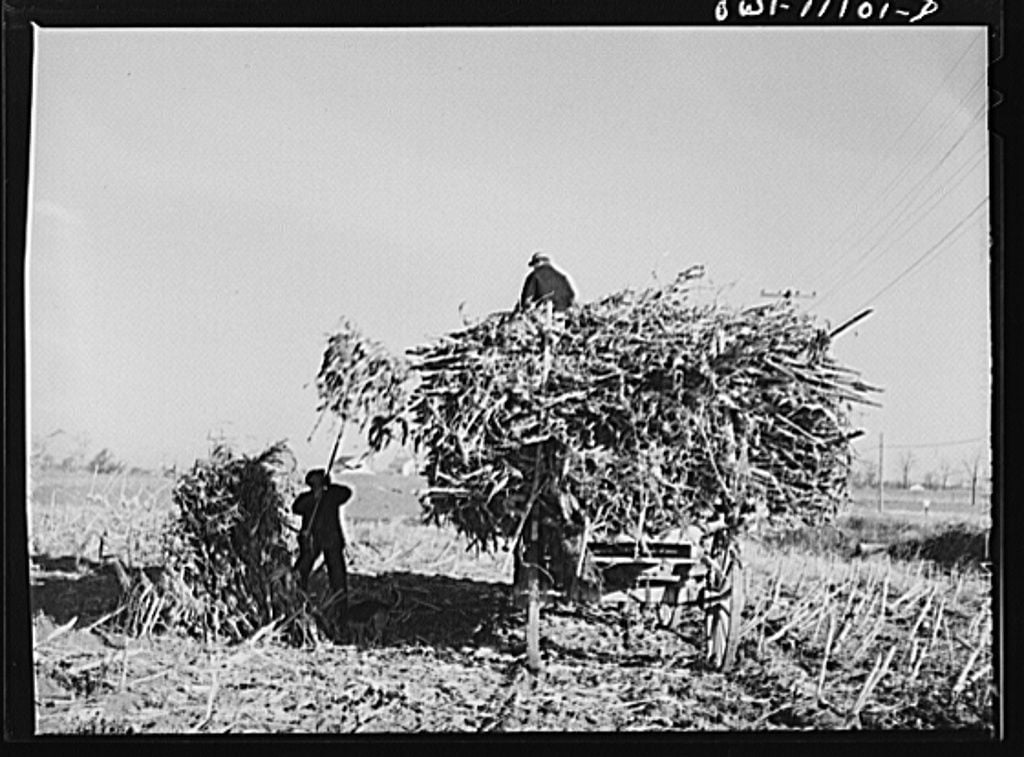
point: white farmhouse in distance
(404, 463)
(348, 464)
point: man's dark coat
(546, 283)
(327, 536)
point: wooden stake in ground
(533, 662)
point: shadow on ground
(428, 609)
(65, 587)
(431, 610)
(467, 615)
(956, 546)
(946, 544)
(435, 610)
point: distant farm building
(352, 464)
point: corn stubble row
(890, 645)
(631, 415)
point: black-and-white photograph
(511, 380)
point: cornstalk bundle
(359, 380)
(631, 415)
(227, 569)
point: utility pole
(789, 294)
(881, 471)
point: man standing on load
(321, 529)
(546, 283)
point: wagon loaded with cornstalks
(621, 447)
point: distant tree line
(968, 475)
(76, 458)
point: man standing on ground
(546, 283)
(320, 508)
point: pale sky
(207, 204)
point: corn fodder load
(360, 381)
(633, 414)
(227, 571)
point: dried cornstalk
(227, 563)
(361, 382)
(877, 674)
(828, 648)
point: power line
(931, 250)
(908, 198)
(955, 443)
(824, 268)
(906, 129)
(867, 257)
(858, 266)
(883, 195)
(909, 195)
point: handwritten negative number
(818, 8)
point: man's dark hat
(538, 258)
(317, 475)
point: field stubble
(831, 641)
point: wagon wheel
(724, 599)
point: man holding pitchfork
(320, 508)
